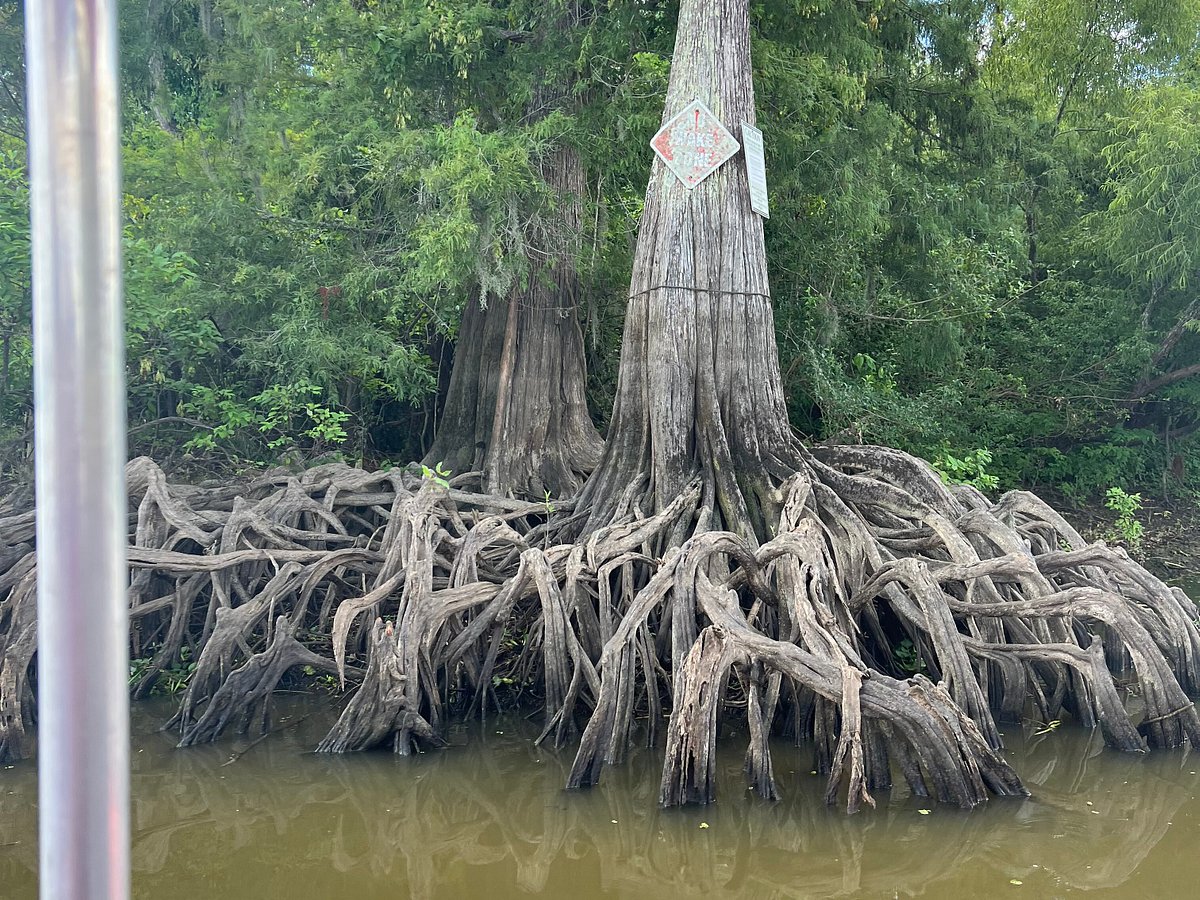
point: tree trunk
(464, 429)
(160, 96)
(516, 408)
(779, 566)
(699, 388)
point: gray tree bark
(516, 408)
(699, 389)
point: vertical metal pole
(79, 431)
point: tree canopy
(982, 247)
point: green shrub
(1126, 528)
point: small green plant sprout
(970, 468)
(1126, 528)
(137, 669)
(546, 502)
(325, 681)
(439, 475)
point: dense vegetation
(983, 246)
(982, 250)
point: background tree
(516, 408)
(1149, 232)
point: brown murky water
(488, 819)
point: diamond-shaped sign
(694, 143)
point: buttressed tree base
(712, 568)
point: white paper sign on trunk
(756, 169)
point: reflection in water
(492, 821)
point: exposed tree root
(475, 598)
(246, 693)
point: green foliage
(1151, 228)
(1127, 526)
(276, 419)
(439, 475)
(969, 468)
(984, 223)
(16, 349)
(1085, 470)
(907, 657)
(875, 377)
(328, 682)
(172, 680)
(994, 212)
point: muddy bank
(1170, 546)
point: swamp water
(488, 818)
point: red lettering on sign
(694, 143)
